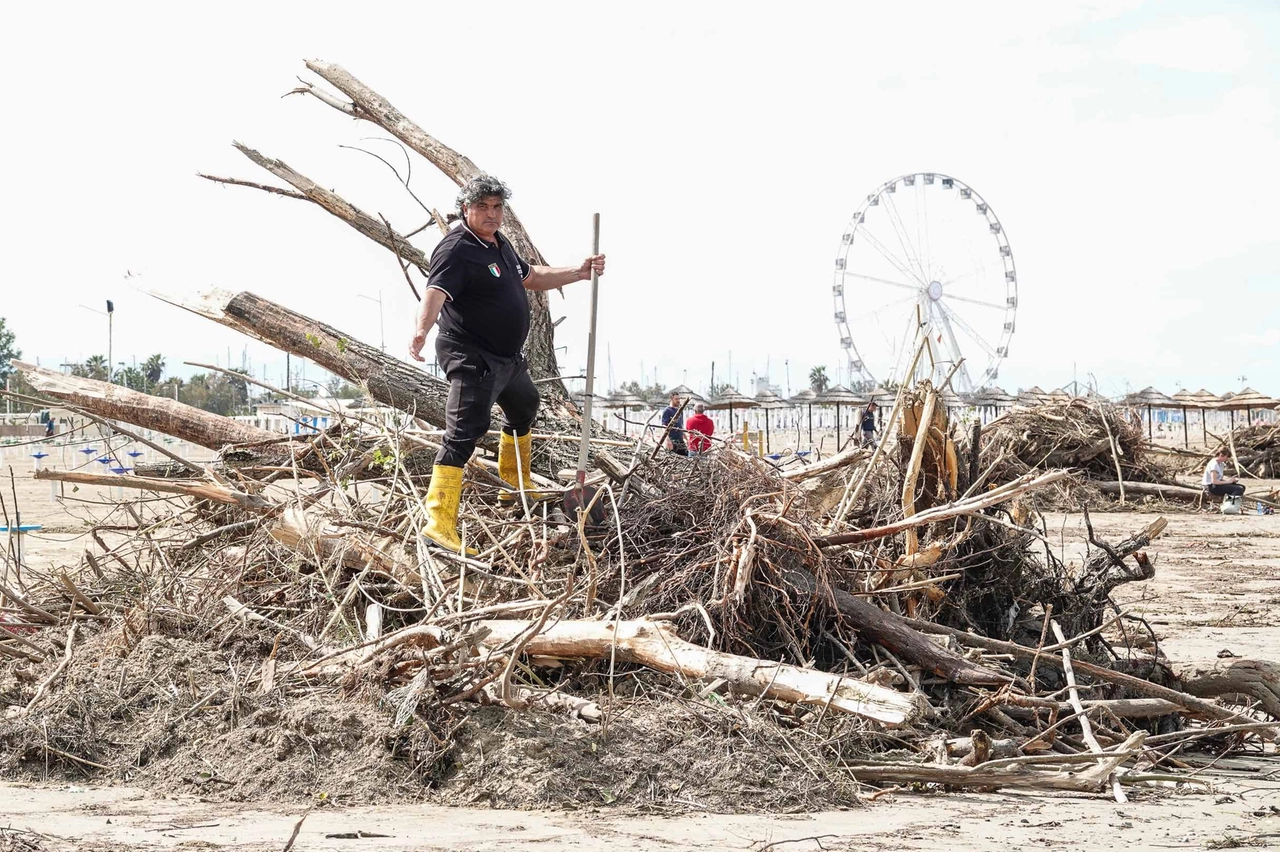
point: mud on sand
(181, 717)
(655, 755)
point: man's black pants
(478, 379)
(1220, 489)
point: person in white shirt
(1216, 482)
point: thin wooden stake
(1086, 727)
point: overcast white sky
(1130, 150)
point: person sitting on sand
(1216, 482)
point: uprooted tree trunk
(657, 646)
(1082, 602)
(368, 105)
(239, 445)
(390, 381)
(161, 414)
(1232, 677)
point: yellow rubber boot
(443, 498)
(515, 472)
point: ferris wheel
(925, 250)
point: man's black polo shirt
(484, 282)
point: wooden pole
(585, 448)
(1115, 451)
(913, 466)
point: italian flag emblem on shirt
(497, 273)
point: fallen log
(1009, 772)
(1169, 492)
(895, 633)
(390, 380)
(191, 488)
(851, 456)
(1190, 703)
(158, 413)
(1230, 677)
(657, 646)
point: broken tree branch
(1030, 482)
(657, 646)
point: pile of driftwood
(1094, 439)
(1104, 448)
(821, 614)
(1256, 449)
(934, 608)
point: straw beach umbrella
(1149, 398)
(883, 397)
(1032, 396)
(579, 399)
(625, 401)
(1247, 400)
(1058, 395)
(768, 401)
(806, 398)
(685, 392)
(951, 399)
(994, 398)
(1186, 399)
(730, 400)
(1205, 401)
(839, 395)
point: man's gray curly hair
(482, 186)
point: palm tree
(153, 369)
(818, 381)
(95, 367)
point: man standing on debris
(700, 428)
(675, 436)
(1215, 482)
(477, 293)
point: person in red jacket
(700, 429)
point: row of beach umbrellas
(1247, 400)
(839, 396)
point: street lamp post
(111, 312)
(382, 331)
(110, 315)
